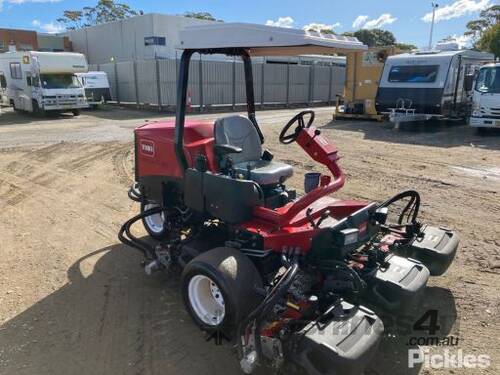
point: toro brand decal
(147, 148)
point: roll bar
(182, 84)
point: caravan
(43, 81)
(429, 85)
(96, 85)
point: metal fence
(222, 83)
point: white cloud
(364, 22)
(52, 28)
(281, 22)
(457, 9)
(32, 1)
(463, 41)
(359, 21)
(321, 26)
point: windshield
(414, 73)
(489, 80)
(59, 81)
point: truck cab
(486, 98)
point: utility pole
(434, 7)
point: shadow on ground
(431, 133)
(110, 318)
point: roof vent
(447, 46)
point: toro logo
(147, 147)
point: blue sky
(407, 19)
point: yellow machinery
(363, 71)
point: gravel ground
(75, 301)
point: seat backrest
(239, 131)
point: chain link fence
(222, 83)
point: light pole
(434, 7)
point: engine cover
(397, 284)
(342, 342)
(435, 247)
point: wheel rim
(156, 222)
(206, 300)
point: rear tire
(219, 288)
(76, 112)
(154, 224)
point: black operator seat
(239, 132)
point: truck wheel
(36, 109)
(154, 224)
(76, 112)
(219, 288)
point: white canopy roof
(262, 40)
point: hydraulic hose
(411, 209)
(126, 237)
(278, 291)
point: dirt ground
(73, 300)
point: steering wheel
(299, 117)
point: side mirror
(468, 82)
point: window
(15, 71)
(60, 81)
(414, 73)
(489, 80)
(3, 81)
(155, 41)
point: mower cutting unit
(284, 276)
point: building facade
(18, 40)
(142, 37)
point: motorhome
(486, 98)
(44, 81)
(96, 87)
(420, 86)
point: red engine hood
(194, 130)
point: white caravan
(486, 101)
(425, 85)
(96, 87)
(44, 81)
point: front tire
(154, 224)
(220, 288)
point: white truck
(96, 85)
(486, 98)
(44, 81)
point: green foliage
(405, 46)
(374, 37)
(201, 16)
(490, 40)
(480, 30)
(104, 11)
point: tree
(104, 11)
(374, 37)
(201, 16)
(405, 46)
(476, 29)
(490, 40)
